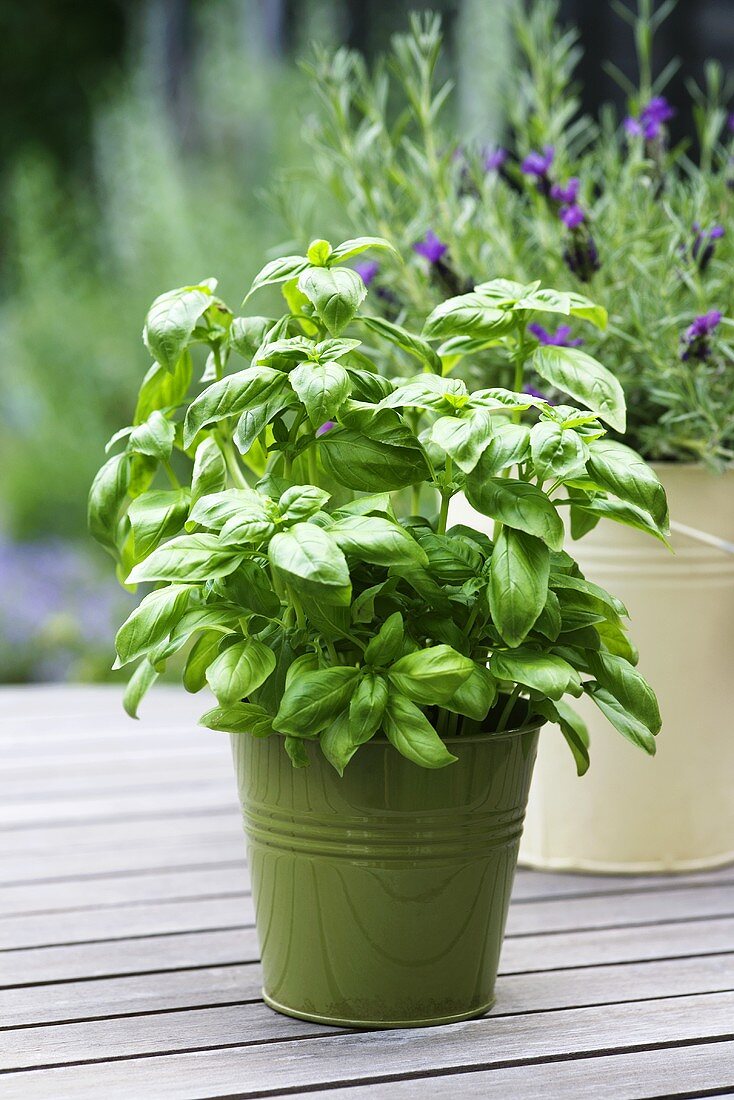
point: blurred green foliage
(87, 251)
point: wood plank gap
(135, 904)
(165, 970)
(653, 888)
(492, 1015)
(131, 939)
(613, 927)
(418, 1075)
(126, 873)
(163, 815)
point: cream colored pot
(631, 813)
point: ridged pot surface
(381, 897)
(676, 811)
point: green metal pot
(381, 897)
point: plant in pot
(384, 676)
(610, 204)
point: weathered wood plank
(110, 835)
(347, 1058)
(122, 922)
(242, 1023)
(125, 889)
(163, 852)
(520, 954)
(536, 992)
(201, 913)
(131, 805)
(703, 1069)
(99, 1040)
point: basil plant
(291, 511)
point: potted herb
(610, 207)
(384, 676)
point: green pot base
(375, 1025)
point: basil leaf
(518, 583)
(387, 643)
(239, 670)
(318, 253)
(106, 498)
(214, 509)
(338, 742)
(622, 472)
(400, 337)
(467, 315)
(311, 702)
(171, 321)
(201, 655)
(301, 502)
(618, 511)
(248, 586)
(557, 452)
(322, 387)
(188, 558)
(335, 293)
(430, 675)
(230, 397)
(586, 380)
(347, 249)
(572, 727)
(210, 470)
(616, 713)
(239, 718)
(370, 465)
(163, 389)
(151, 621)
(367, 706)
(247, 334)
(309, 559)
(407, 728)
(507, 446)
(153, 437)
(544, 672)
(476, 696)
(278, 271)
(465, 439)
(377, 540)
(517, 504)
(137, 686)
(622, 679)
(155, 516)
(296, 749)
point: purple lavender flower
(325, 427)
(651, 119)
(566, 193)
(494, 159)
(557, 339)
(695, 341)
(730, 123)
(532, 392)
(431, 248)
(702, 249)
(572, 216)
(538, 164)
(367, 270)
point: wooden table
(129, 959)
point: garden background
(149, 145)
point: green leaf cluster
(291, 517)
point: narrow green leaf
(407, 728)
(313, 700)
(518, 583)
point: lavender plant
(293, 516)
(602, 205)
